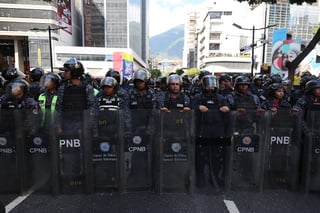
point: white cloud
(166, 14)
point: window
(214, 47)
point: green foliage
(192, 72)
(299, 2)
(155, 73)
(179, 71)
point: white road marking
(231, 206)
(17, 201)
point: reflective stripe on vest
(42, 98)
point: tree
(179, 71)
(155, 73)
(299, 2)
(192, 72)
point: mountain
(169, 44)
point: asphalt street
(201, 201)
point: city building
(190, 40)
(36, 33)
(225, 34)
(217, 42)
(27, 28)
(118, 24)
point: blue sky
(165, 14)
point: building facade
(25, 29)
(117, 24)
(222, 47)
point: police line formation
(68, 133)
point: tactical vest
(211, 102)
(141, 101)
(246, 102)
(45, 105)
(108, 117)
(106, 103)
(11, 105)
(171, 103)
(75, 98)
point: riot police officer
(75, 109)
(257, 87)
(35, 76)
(173, 98)
(74, 96)
(225, 84)
(50, 83)
(108, 99)
(142, 104)
(210, 129)
(276, 99)
(17, 97)
(242, 101)
(142, 97)
(123, 93)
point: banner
(64, 15)
(283, 50)
(123, 62)
(127, 65)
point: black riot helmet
(185, 78)
(310, 85)
(76, 68)
(50, 79)
(305, 80)
(115, 74)
(141, 75)
(108, 81)
(36, 74)
(224, 77)
(258, 77)
(208, 82)
(276, 78)
(274, 87)
(18, 88)
(10, 74)
(203, 73)
(240, 80)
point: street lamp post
(49, 29)
(253, 41)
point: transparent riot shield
(175, 152)
(311, 161)
(213, 135)
(12, 164)
(283, 151)
(38, 151)
(75, 152)
(138, 151)
(245, 170)
(106, 149)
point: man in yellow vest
(48, 98)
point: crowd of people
(72, 90)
